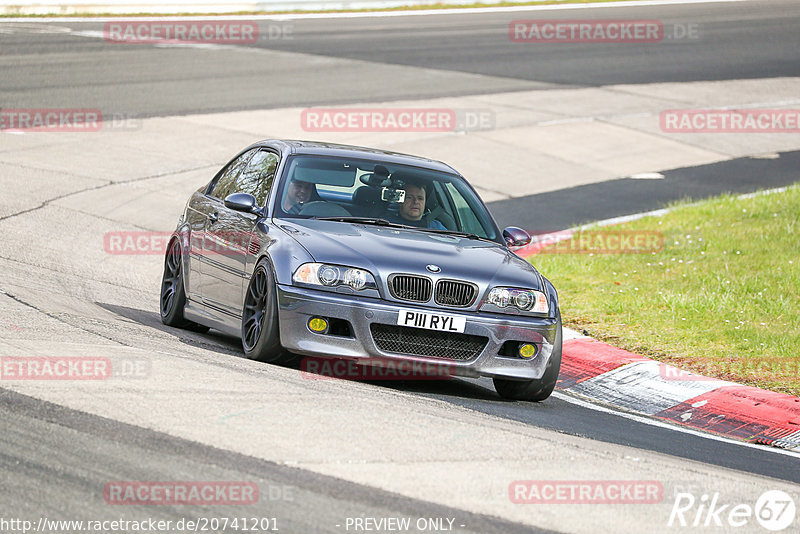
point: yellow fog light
(318, 325)
(527, 350)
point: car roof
(319, 148)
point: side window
(257, 177)
(469, 222)
(224, 184)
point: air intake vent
(430, 343)
(411, 288)
(455, 293)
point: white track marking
(647, 176)
(639, 387)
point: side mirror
(241, 202)
(516, 237)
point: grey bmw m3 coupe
(334, 251)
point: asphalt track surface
(567, 208)
(741, 40)
(43, 478)
(734, 41)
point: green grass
(398, 8)
(721, 298)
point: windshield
(328, 187)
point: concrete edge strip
(358, 14)
(608, 374)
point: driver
(412, 210)
(297, 194)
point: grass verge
(721, 297)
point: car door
(196, 214)
(229, 233)
(209, 206)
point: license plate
(431, 321)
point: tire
(173, 294)
(534, 390)
(260, 332)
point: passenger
(412, 210)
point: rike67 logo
(774, 510)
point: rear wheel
(260, 333)
(173, 294)
(534, 390)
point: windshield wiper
(384, 222)
(364, 220)
(457, 233)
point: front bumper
(297, 305)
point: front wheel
(260, 333)
(534, 390)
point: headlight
(526, 300)
(322, 274)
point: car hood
(384, 251)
